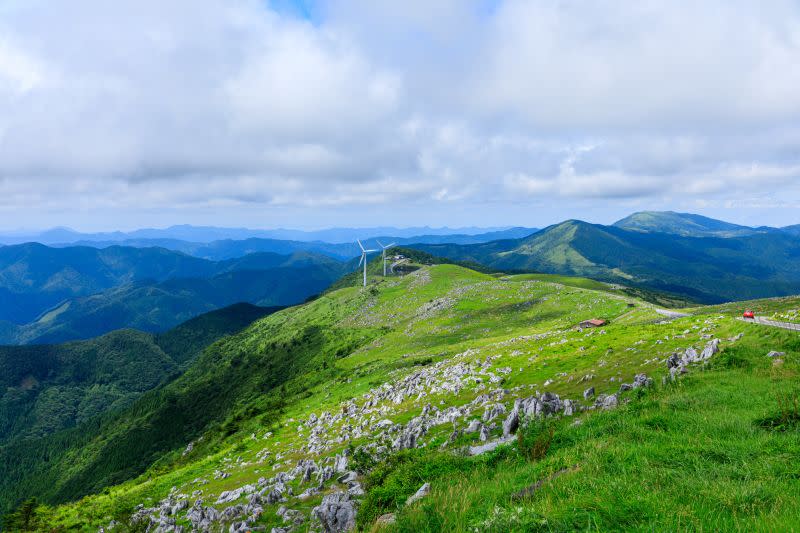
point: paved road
(772, 323)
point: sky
(320, 113)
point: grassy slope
(352, 340)
(689, 456)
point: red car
(749, 314)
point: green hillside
(708, 269)
(47, 388)
(686, 224)
(354, 400)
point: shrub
(361, 461)
(534, 437)
(787, 416)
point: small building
(592, 323)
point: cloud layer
(218, 106)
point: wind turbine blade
(390, 245)
(379, 243)
(360, 245)
(369, 251)
(361, 260)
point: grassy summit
(353, 371)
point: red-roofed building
(593, 323)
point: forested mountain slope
(47, 388)
(52, 295)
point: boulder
(588, 393)
(606, 401)
(511, 423)
(711, 349)
(336, 513)
(641, 380)
(423, 491)
(776, 354)
(474, 426)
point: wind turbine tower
(364, 259)
(384, 255)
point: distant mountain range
(207, 234)
(230, 248)
(707, 260)
(52, 294)
(57, 294)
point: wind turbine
(384, 254)
(364, 259)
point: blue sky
(307, 114)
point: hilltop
(353, 401)
(686, 224)
(705, 269)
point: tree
(23, 518)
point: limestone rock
(423, 491)
(336, 513)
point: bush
(787, 416)
(534, 437)
(361, 461)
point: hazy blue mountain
(230, 248)
(207, 234)
(57, 294)
(34, 277)
(708, 269)
(792, 230)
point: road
(772, 323)
(671, 314)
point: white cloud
(192, 104)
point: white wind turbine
(384, 254)
(364, 259)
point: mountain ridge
(710, 268)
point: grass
(690, 455)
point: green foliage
(24, 518)
(787, 415)
(534, 437)
(92, 396)
(392, 481)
